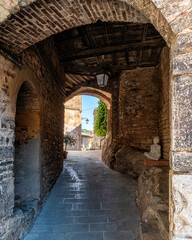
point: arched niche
(27, 145)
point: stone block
(183, 43)
(182, 113)
(8, 204)
(181, 161)
(182, 64)
(181, 202)
(182, 22)
(6, 152)
(160, 4)
(7, 186)
(174, 8)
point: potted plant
(68, 141)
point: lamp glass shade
(102, 79)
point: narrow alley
(88, 202)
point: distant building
(87, 140)
(72, 120)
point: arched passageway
(27, 163)
(103, 95)
(24, 23)
(74, 116)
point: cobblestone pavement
(88, 202)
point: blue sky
(88, 105)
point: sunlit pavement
(88, 202)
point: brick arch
(22, 77)
(32, 21)
(27, 145)
(102, 95)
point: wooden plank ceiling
(111, 47)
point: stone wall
(153, 199)
(14, 222)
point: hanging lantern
(87, 121)
(102, 79)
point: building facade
(73, 121)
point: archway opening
(80, 116)
(27, 145)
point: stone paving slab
(88, 202)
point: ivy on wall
(100, 127)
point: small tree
(100, 127)
(69, 140)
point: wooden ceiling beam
(144, 36)
(112, 68)
(144, 33)
(112, 49)
(67, 89)
(71, 79)
(149, 53)
(125, 33)
(114, 58)
(106, 34)
(140, 55)
(78, 78)
(127, 57)
(68, 83)
(159, 54)
(85, 78)
(89, 32)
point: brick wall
(144, 106)
(34, 22)
(13, 226)
(73, 120)
(27, 145)
(139, 107)
(51, 114)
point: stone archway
(102, 95)
(27, 146)
(94, 92)
(173, 20)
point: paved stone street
(88, 202)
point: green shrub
(100, 127)
(69, 141)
